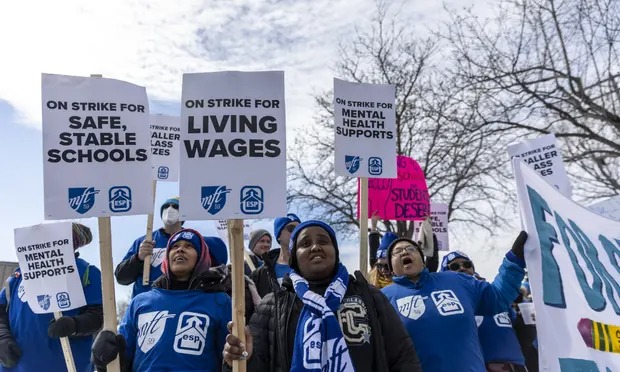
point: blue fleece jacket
(176, 330)
(439, 313)
(498, 340)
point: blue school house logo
(352, 163)
(63, 300)
(44, 301)
(252, 199)
(213, 198)
(163, 173)
(82, 199)
(375, 166)
(120, 198)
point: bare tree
(461, 165)
(543, 66)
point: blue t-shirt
(281, 270)
(498, 340)
(176, 330)
(40, 352)
(160, 238)
(439, 314)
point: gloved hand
(63, 327)
(106, 348)
(9, 352)
(518, 246)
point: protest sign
(439, 221)
(233, 145)
(222, 231)
(365, 125)
(542, 155)
(47, 263)
(405, 198)
(95, 148)
(572, 261)
(165, 139)
(609, 208)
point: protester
(381, 276)
(374, 241)
(260, 243)
(269, 276)
(323, 319)
(30, 342)
(500, 346)
(179, 325)
(526, 333)
(438, 309)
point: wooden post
(364, 226)
(235, 239)
(146, 270)
(66, 348)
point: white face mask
(170, 216)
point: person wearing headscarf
(179, 325)
(323, 319)
(31, 342)
(500, 346)
(268, 277)
(439, 309)
(380, 276)
(260, 243)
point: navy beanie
(217, 250)
(280, 222)
(189, 236)
(173, 200)
(293, 244)
(396, 240)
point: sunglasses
(383, 267)
(168, 205)
(456, 266)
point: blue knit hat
(217, 250)
(381, 253)
(386, 240)
(293, 244)
(173, 201)
(280, 222)
(451, 256)
(189, 236)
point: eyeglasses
(456, 266)
(409, 249)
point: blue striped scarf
(319, 343)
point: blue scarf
(319, 343)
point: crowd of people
(304, 310)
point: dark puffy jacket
(265, 276)
(273, 330)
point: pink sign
(402, 198)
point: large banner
(542, 155)
(404, 198)
(165, 139)
(233, 150)
(95, 148)
(439, 221)
(572, 260)
(365, 125)
(47, 263)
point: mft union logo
(82, 199)
(120, 198)
(252, 199)
(44, 301)
(352, 163)
(63, 300)
(163, 172)
(213, 198)
(375, 166)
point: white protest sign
(48, 270)
(165, 139)
(609, 208)
(233, 150)
(222, 230)
(365, 129)
(572, 260)
(95, 148)
(439, 221)
(542, 155)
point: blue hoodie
(40, 352)
(160, 238)
(498, 339)
(177, 330)
(439, 313)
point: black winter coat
(374, 333)
(265, 276)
